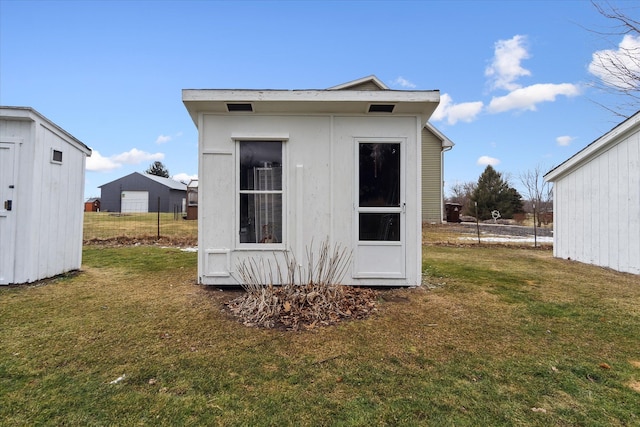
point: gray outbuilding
(141, 193)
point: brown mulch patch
(142, 240)
(306, 307)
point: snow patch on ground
(189, 249)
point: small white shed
(596, 201)
(279, 169)
(42, 171)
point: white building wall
(319, 162)
(48, 203)
(597, 208)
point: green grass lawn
(509, 336)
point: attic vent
(56, 156)
(381, 108)
(239, 107)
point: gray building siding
(111, 201)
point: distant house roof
(167, 182)
(373, 83)
(594, 149)
(361, 83)
(93, 199)
(446, 142)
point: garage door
(134, 202)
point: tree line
(493, 192)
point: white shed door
(380, 210)
(8, 178)
(134, 202)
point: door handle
(8, 205)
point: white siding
(49, 197)
(597, 208)
(319, 156)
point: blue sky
(513, 76)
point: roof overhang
(357, 102)
(30, 114)
(600, 145)
(447, 144)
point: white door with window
(379, 214)
(8, 178)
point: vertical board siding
(431, 177)
(597, 208)
(49, 196)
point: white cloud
(617, 68)
(162, 139)
(184, 177)
(486, 160)
(135, 156)
(98, 163)
(402, 82)
(526, 98)
(453, 113)
(505, 67)
(564, 140)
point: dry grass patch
(484, 347)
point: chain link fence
(131, 226)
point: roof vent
(381, 108)
(239, 107)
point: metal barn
(42, 170)
(142, 193)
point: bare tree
(617, 70)
(538, 191)
(461, 193)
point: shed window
(260, 191)
(192, 196)
(56, 156)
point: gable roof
(373, 83)
(167, 182)
(28, 113)
(364, 82)
(595, 148)
(447, 144)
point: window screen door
(380, 206)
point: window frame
(53, 159)
(282, 245)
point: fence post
(158, 218)
(535, 229)
(477, 222)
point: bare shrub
(311, 296)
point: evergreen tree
(158, 169)
(494, 193)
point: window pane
(380, 226)
(261, 165)
(260, 218)
(379, 175)
(192, 196)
